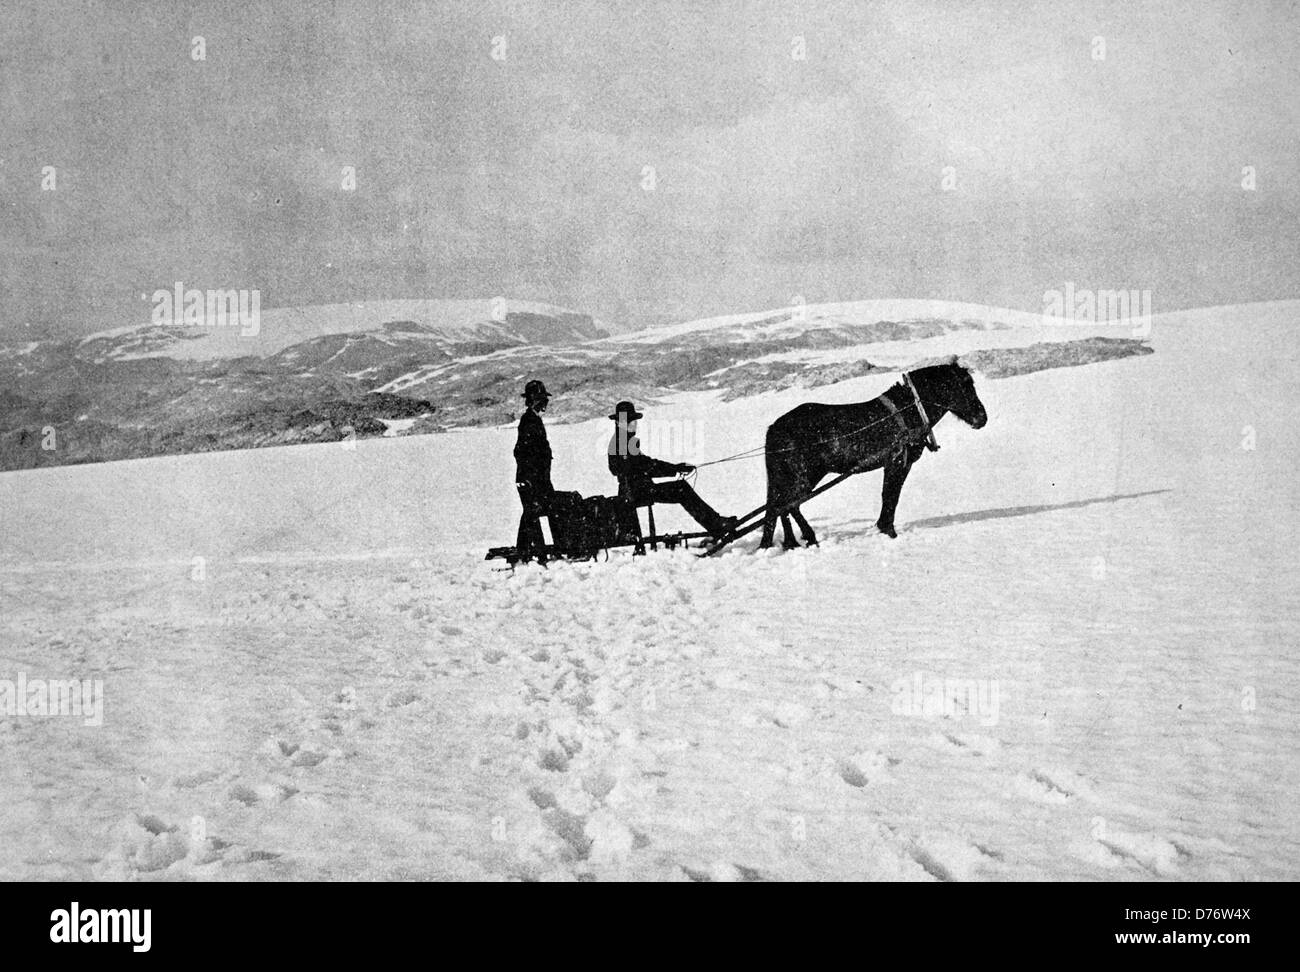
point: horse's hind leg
(787, 533)
(769, 516)
(809, 537)
(769, 528)
(779, 476)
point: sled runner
(669, 541)
(583, 527)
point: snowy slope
(342, 688)
(773, 323)
(443, 321)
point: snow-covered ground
(309, 671)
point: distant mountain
(405, 367)
(453, 324)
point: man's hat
(628, 409)
(535, 390)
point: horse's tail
(779, 458)
(772, 444)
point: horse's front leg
(895, 475)
(788, 541)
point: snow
(394, 427)
(830, 315)
(309, 671)
(281, 327)
(903, 354)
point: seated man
(636, 474)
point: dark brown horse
(811, 441)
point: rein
(895, 414)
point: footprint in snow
(1154, 854)
(266, 793)
(866, 767)
(930, 864)
(1040, 787)
(947, 857)
(841, 683)
(954, 859)
(554, 760)
(1040, 777)
(970, 743)
(402, 698)
(346, 698)
(599, 784)
(244, 794)
(788, 715)
(192, 780)
(542, 799)
(154, 825)
(570, 828)
(723, 872)
(255, 857)
(852, 775)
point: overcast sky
(523, 177)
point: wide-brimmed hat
(534, 391)
(625, 408)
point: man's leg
(530, 540)
(680, 492)
(629, 525)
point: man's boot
(724, 527)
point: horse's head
(951, 386)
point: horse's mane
(947, 360)
(939, 362)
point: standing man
(533, 471)
(636, 474)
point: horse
(812, 440)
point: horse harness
(906, 434)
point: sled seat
(650, 517)
(631, 523)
